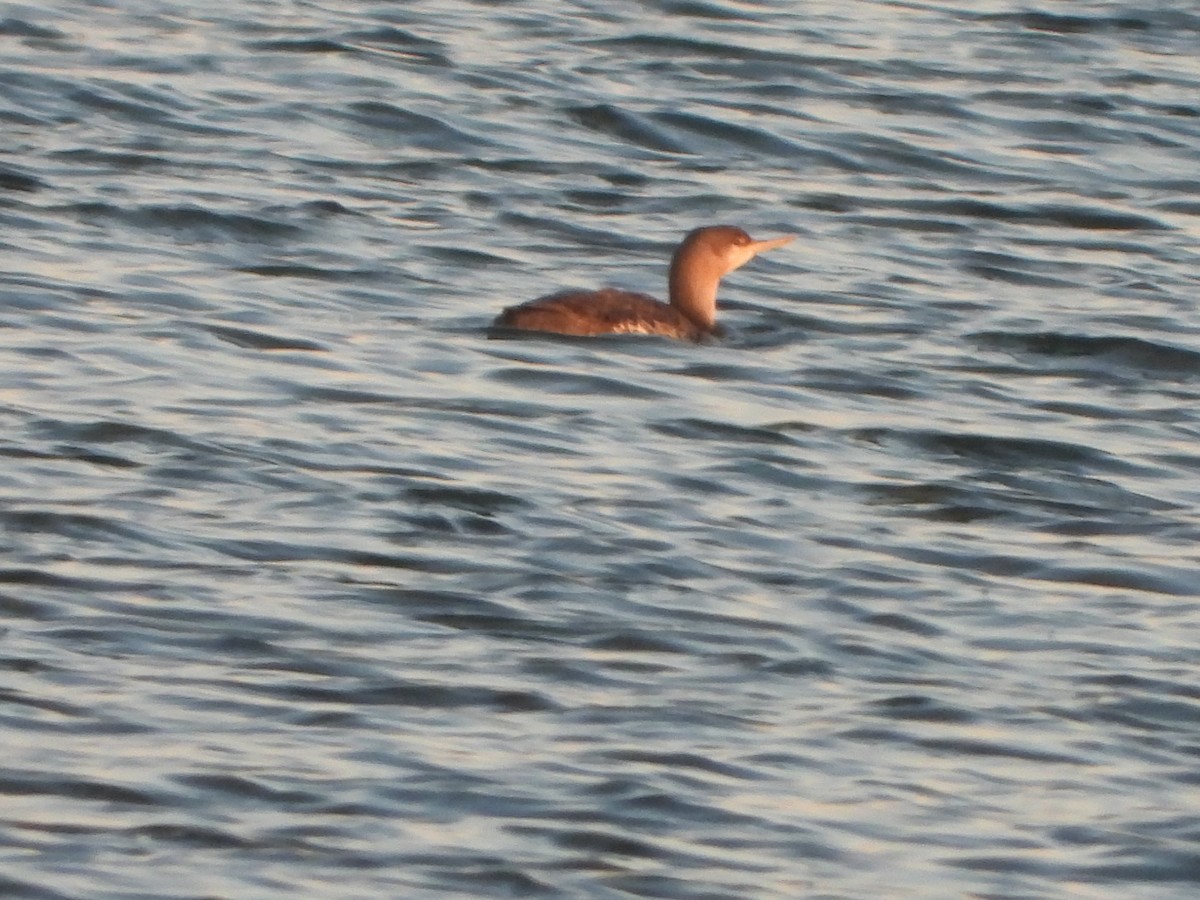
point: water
(308, 588)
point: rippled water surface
(311, 588)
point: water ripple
(311, 586)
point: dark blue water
(308, 588)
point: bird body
(606, 311)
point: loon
(700, 260)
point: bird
(701, 259)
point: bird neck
(693, 289)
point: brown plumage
(703, 257)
